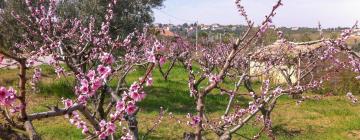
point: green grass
(330, 118)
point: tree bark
(31, 131)
(22, 88)
(200, 105)
(133, 126)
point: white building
(295, 28)
(357, 32)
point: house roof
(291, 49)
(166, 32)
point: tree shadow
(174, 96)
(281, 130)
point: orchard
(113, 80)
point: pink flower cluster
(107, 58)
(242, 11)
(106, 129)
(127, 105)
(36, 77)
(194, 120)
(214, 78)
(92, 82)
(263, 28)
(121, 106)
(149, 80)
(162, 60)
(76, 120)
(151, 53)
(59, 70)
(135, 92)
(233, 118)
(67, 103)
(103, 71)
(7, 96)
(150, 56)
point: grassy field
(332, 118)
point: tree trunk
(200, 104)
(31, 131)
(22, 88)
(133, 126)
(23, 115)
(189, 136)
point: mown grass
(330, 118)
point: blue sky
(304, 13)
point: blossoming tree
(89, 53)
(94, 59)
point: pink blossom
(82, 98)
(135, 87)
(158, 46)
(7, 96)
(84, 89)
(104, 71)
(37, 75)
(91, 74)
(151, 57)
(149, 81)
(3, 93)
(59, 71)
(84, 82)
(68, 103)
(111, 127)
(107, 58)
(106, 129)
(30, 62)
(102, 136)
(194, 120)
(277, 91)
(162, 61)
(97, 83)
(102, 123)
(120, 106)
(213, 79)
(134, 92)
(80, 124)
(85, 130)
(130, 108)
(137, 96)
(76, 120)
(11, 96)
(263, 29)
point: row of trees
(96, 54)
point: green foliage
(128, 14)
(10, 30)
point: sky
(294, 13)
